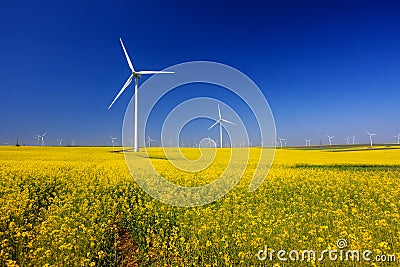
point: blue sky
(325, 67)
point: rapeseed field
(80, 206)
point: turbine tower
(149, 140)
(37, 139)
(370, 136)
(220, 120)
(41, 137)
(354, 139)
(347, 140)
(398, 138)
(60, 141)
(281, 140)
(210, 141)
(330, 139)
(114, 141)
(137, 75)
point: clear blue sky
(326, 67)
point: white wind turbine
(354, 139)
(347, 140)
(149, 140)
(308, 142)
(210, 141)
(41, 137)
(398, 138)
(281, 140)
(220, 120)
(330, 139)
(137, 75)
(37, 139)
(60, 141)
(370, 136)
(114, 141)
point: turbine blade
(227, 121)
(154, 72)
(127, 57)
(219, 112)
(122, 90)
(214, 124)
(44, 134)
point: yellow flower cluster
(71, 207)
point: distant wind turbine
(37, 140)
(149, 140)
(398, 138)
(370, 136)
(347, 140)
(220, 120)
(41, 137)
(60, 141)
(114, 141)
(354, 139)
(281, 140)
(137, 75)
(330, 139)
(210, 141)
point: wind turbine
(37, 139)
(281, 140)
(137, 75)
(114, 141)
(330, 139)
(220, 120)
(398, 138)
(308, 142)
(60, 141)
(149, 140)
(210, 141)
(370, 136)
(354, 139)
(41, 137)
(348, 140)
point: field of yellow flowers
(72, 206)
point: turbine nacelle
(137, 75)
